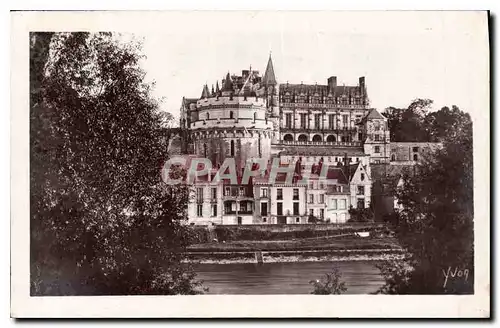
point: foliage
(407, 124)
(329, 284)
(360, 215)
(435, 224)
(416, 123)
(102, 221)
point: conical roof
(205, 93)
(269, 77)
(228, 84)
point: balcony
(321, 143)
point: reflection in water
(361, 277)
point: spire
(217, 86)
(213, 91)
(205, 93)
(269, 78)
(228, 84)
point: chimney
(362, 82)
(347, 167)
(332, 82)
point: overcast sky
(403, 55)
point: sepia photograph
(252, 154)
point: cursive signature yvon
(463, 274)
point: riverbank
(345, 247)
(287, 258)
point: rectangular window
(297, 220)
(377, 137)
(311, 199)
(311, 212)
(263, 192)
(321, 213)
(360, 136)
(345, 119)
(342, 204)
(279, 194)
(361, 203)
(234, 191)
(322, 199)
(243, 206)
(303, 118)
(317, 120)
(377, 149)
(227, 208)
(415, 149)
(288, 120)
(361, 190)
(199, 195)
(333, 204)
(263, 208)
(214, 193)
(214, 210)
(199, 210)
(321, 185)
(311, 185)
(242, 191)
(295, 208)
(295, 194)
(330, 121)
(227, 191)
(279, 207)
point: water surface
(361, 277)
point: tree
(436, 222)
(329, 284)
(408, 124)
(102, 221)
(361, 214)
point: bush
(329, 284)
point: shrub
(329, 284)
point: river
(361, 277)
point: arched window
(231, 114)
(393, 157)
(232, 147)
(205, 150)
(302, 138)
(415, 157)
(317, 138)
(330, 138)
(288, 137)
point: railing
(321, 143)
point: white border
(209, 306)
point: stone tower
(271, 93)
(233, 122)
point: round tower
(231, 123)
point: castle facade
(328, 133)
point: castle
(305, 127)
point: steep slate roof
(269, 77)
(374, 114)
(311, 89)
(228, 84)
(205, 93)
(187, 101)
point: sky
(442, 56)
